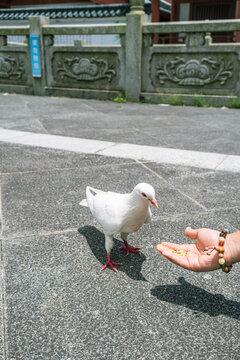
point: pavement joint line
(133, 162)
(226, 157)
(27, 106)
(106, 147)
(19, 172)
(92, 109)
(163, 155)
(58, 232)
(152, 171)
(42, 234)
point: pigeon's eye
(144, 195)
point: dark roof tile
(69, 12)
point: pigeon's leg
(109, 246)
(127, 247)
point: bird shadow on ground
(197, 299)
(131, 264)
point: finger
(176, 259)
(192, 233)
(172, 246)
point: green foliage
(199, 102)
(176, 100)
(119, 100)
(235, 103)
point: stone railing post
(37, 53)
(135, 21)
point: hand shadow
(131, 264)
(197, 299)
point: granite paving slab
(60, 306)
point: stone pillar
(238, 17)
(35, 25)
(3, 40)
(135, 21)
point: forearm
(232, 248)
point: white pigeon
(120, 213)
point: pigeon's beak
(154, 202)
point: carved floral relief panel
(13, 68)
(212, 71)
(91, 70)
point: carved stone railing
(197, 67)
(135, 69)
(93, 71)
(14, 61)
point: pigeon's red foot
(129, 248)
(110, 263)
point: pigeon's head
(146, 192)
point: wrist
(232, 248)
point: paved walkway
(157, 154)
(55, 302)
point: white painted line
(206, 160)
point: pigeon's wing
(109, 209)
(149, 218)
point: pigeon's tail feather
(88, 200)
(84, 203)
(90, 196)
(96, 191)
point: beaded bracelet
(220, 250)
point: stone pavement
(55, 302)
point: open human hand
(194, 258)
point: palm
(196, 259)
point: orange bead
(221, 249)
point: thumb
(192, 233)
